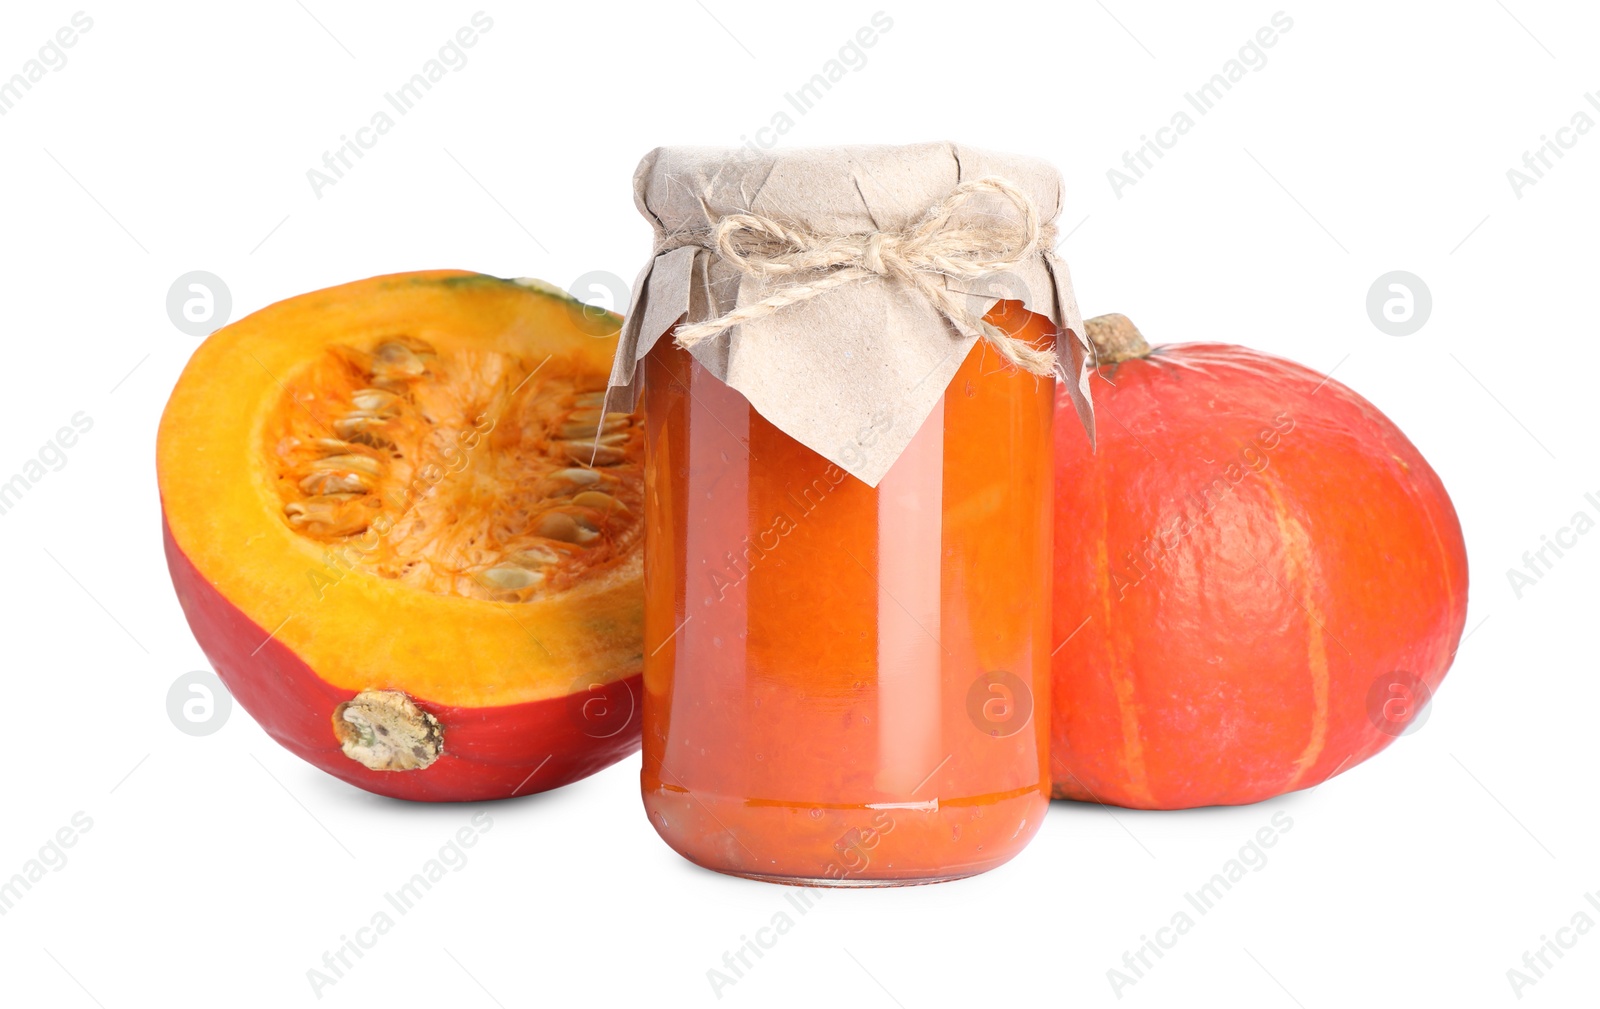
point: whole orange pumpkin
(1259, 580)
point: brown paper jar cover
(826, 369)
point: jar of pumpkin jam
(846, 684)
(845, 359)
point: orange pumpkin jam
(847, 684)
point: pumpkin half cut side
(407, 534)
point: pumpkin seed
(395, 360)
(356, 463)
(578, 476)
(536, 556)
(565, 527)
(511, 577)
(335, 482)
(375, 400)
(600, 501)
(329, 514)
(562, 482)
(332, 446)
(358, 422)
(590, 453)
(581, 429)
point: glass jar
(844, 684)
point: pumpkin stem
(1115, 338)
(384, 730)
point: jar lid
(839, 289)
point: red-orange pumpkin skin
(490, 752)
(1251, 570)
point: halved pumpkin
(407, 534)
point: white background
(1377, 137)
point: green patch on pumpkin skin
(524, 283)
(591, 319)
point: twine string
(936, 247)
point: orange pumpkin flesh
(1258, 579)
(407, 535)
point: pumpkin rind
(1253, 554)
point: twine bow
(935, 247)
